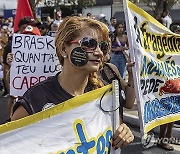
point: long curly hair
(70, 29)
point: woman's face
(94, 56)
(120, 28)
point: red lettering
(13, 82)
(42, 78)
(26, 82)
(33, 81)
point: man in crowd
(113, 22)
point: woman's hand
(129, 67)
(9, 58)
(125, 48)
(130, 74)
(122, 136)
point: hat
(102, 15)
(175, 28)
(27, 20)
(31, 30)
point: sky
(9, 4)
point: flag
(23, 9)
(156, 52)
(78, 125)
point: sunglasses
(90, 43)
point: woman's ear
(63, 52)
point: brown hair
(70, 29)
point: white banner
(34, 60)
(156, 52)
(78, 125)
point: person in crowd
(175, 28)
(166, 129)
(54, 28)
(166, 19)
(79, 15)
(49, 22)
(25, 21)
(26, 25)
(112, 25)
(44, 29)
(89, 15)
(102, 18)
(11, 22)
(55, 25)
(119, 45)
(4, 38)
(85, 35)
(58, 18)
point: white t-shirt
(167, 21)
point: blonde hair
(70, 29)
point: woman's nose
(98, 52)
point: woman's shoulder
(112, 66)
(115, 70)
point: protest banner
(79, 125)
(34, 60)
(156, 52)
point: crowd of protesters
(27, 25)
(49, 27)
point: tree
(79, 3)
(158, 6)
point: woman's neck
(74, 83)
(120, 34)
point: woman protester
(76, 37)
(119, 56)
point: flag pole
(132, 56)
(115, 105)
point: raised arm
(127, 87)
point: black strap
(115, 77)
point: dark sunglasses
(90, 43)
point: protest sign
(34, 60)
(156, 52)
(78, 125)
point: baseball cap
(102, 15)
(175, 28)
(31, 30)
(27, 20)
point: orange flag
(23, 9)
